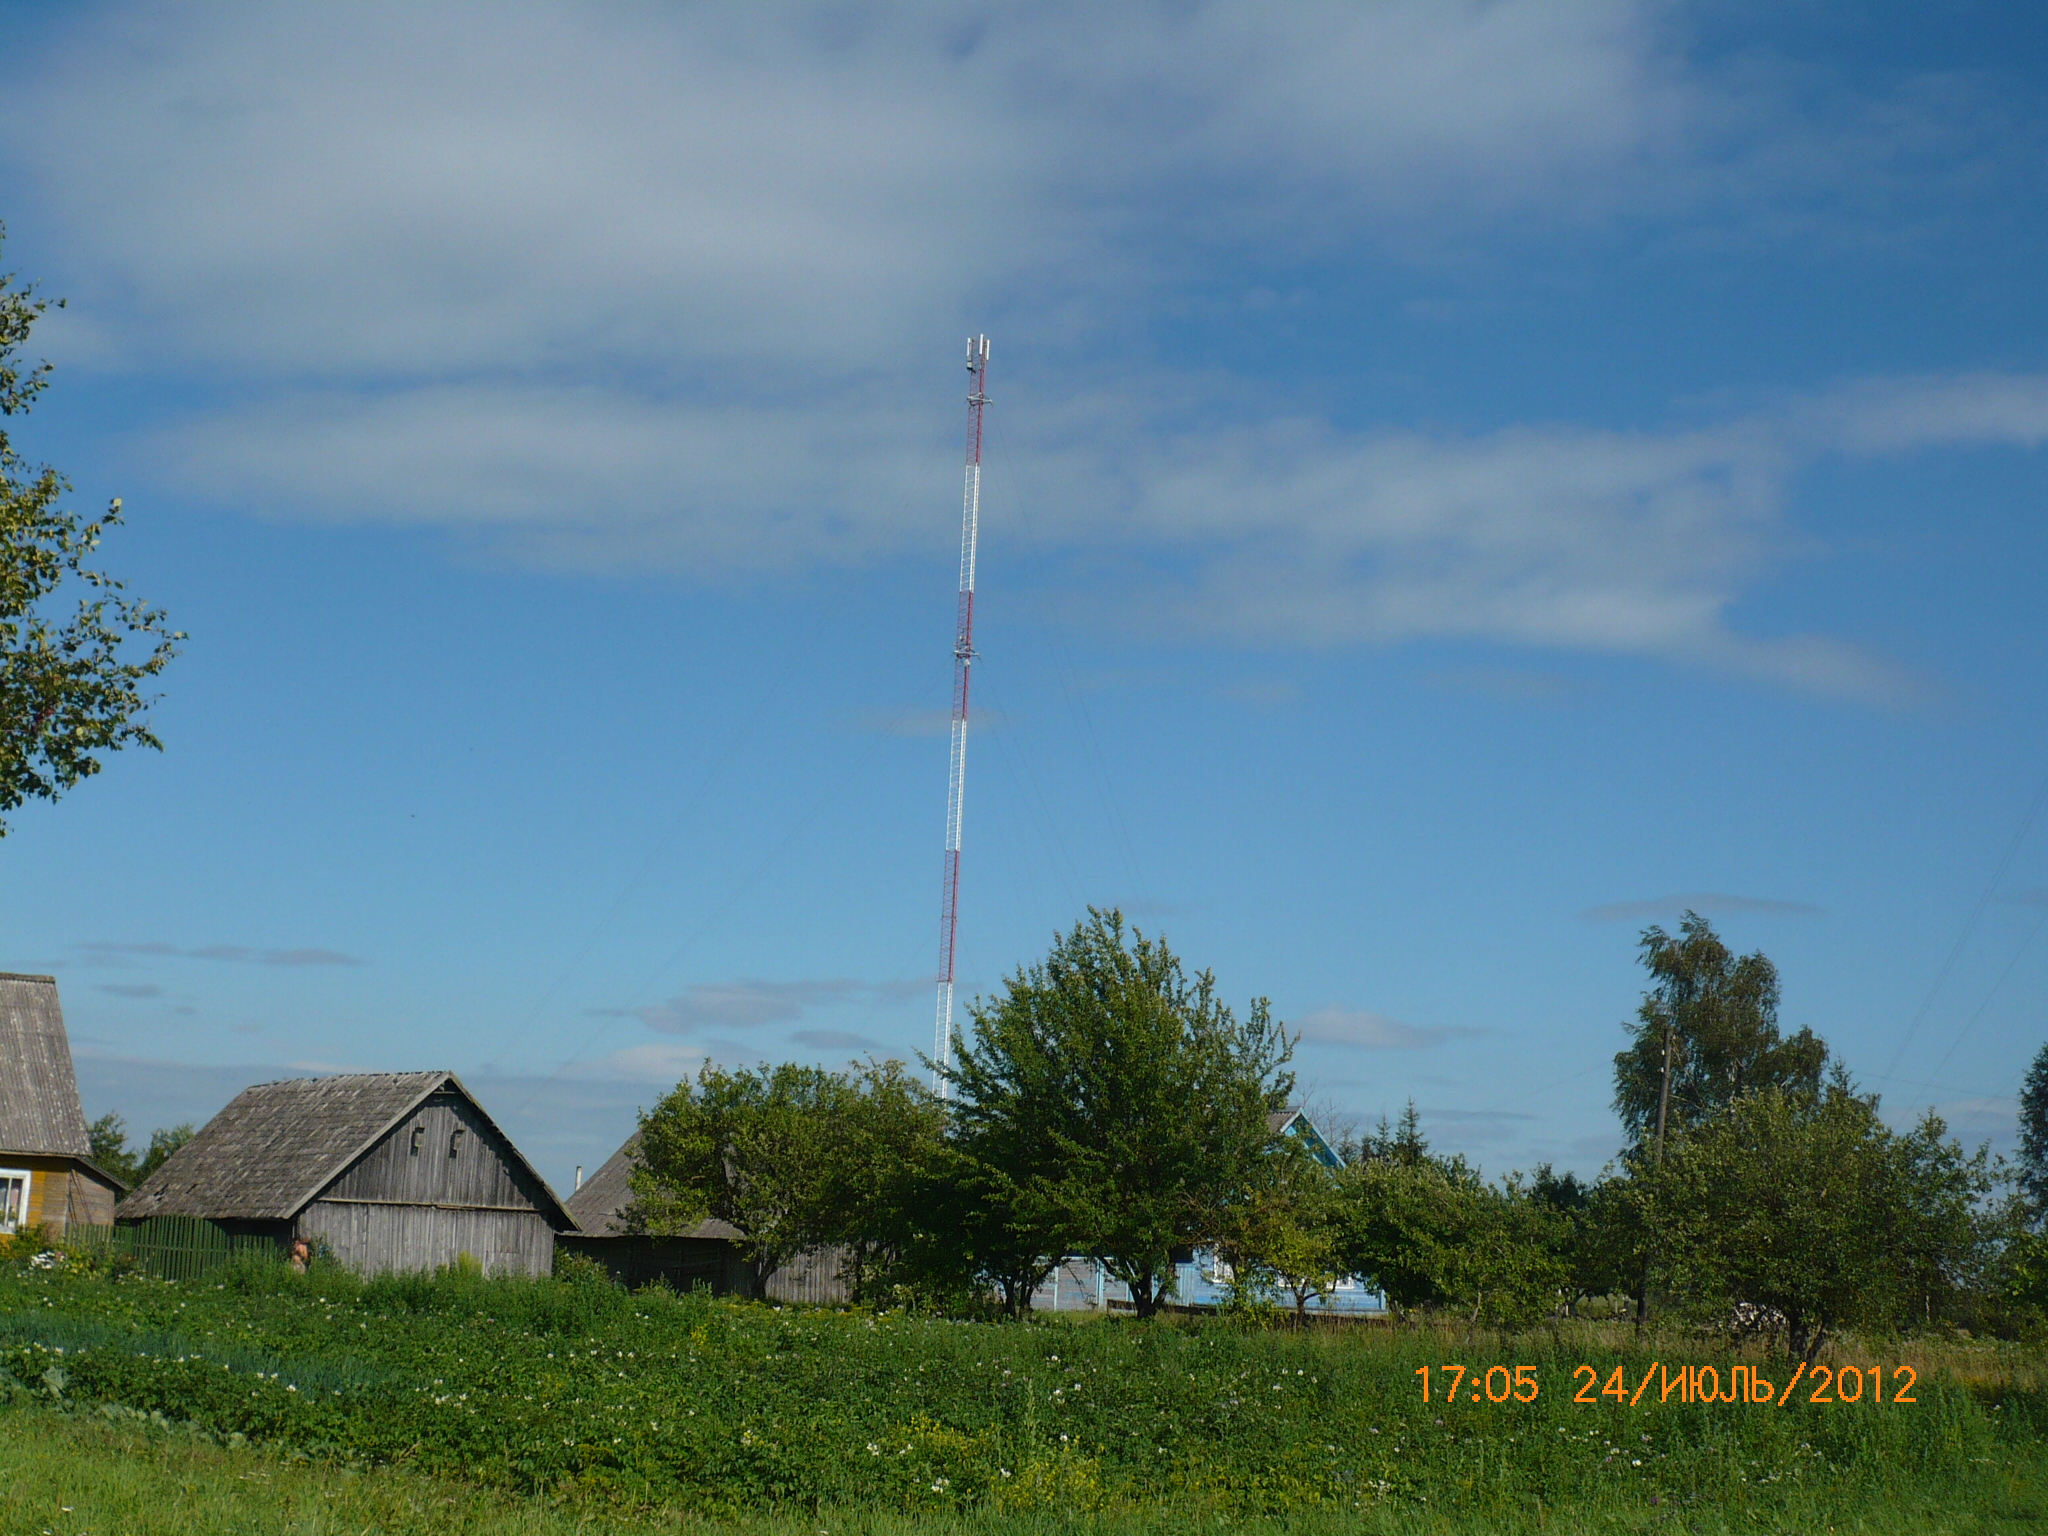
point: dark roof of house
(39, 1109)
(599, 1207)
(277, 1145)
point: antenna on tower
(963, 661)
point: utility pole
(1664, 1093)
(963, 661)
(1663, 1108)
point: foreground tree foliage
(1116, 1105)
(2033, 1154)
(71, 689)
(795, 1157)
(1109, 1105)
(1430, 1232)
(1809, 1207)
(1714, 1016)
(1288, 1235)
(108, 1139)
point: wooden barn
(705, 1256)
(47, 1176)
(390, 1170)
(604, 1232)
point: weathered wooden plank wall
(87, 1200)
(60, 1194)
(682, 1263)
(441, 1155)
(811, 1277)
(375, 1238)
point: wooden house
(390, 1170)
(605, 1231)
(707, 1255)
(1080, 1283)
(1296, 1125)
(47, 1176)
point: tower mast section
(963, 662)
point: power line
(2025, 944)
(1970, 927)
(657, 851)
(1010, 749)
(1063, 673)
(717, 914)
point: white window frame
(28, 1187)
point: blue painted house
(1079, 1284)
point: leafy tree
(1610, 1242)
(70, 689)
(889, 1139)
(1510, 1266)
(1289, 1233)
(1404, 1219)
(1588, 1231)
(1010, 1230)
(1812, 1208)
(967, 1231)
(1404, 1144)
(1406, 1209)
(1715, 1015)
(1124, 1107)
(2021, 1279)
(794, 1157)
(2033, 1159)
(1432, 1233)
(108, 1139)
(162, 1143)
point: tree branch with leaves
(72, 689)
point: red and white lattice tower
(963, 661)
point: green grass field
(324, 1404)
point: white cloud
(656, 1061)
(1556, 537)
(751, 1004)
(397, 189)
(673, 288)
(1374, 1031)
(741, 1004)
(406, 191)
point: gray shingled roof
(39, 1110)
(599, 1207)
(277, 1145)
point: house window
(455, 1142)
(14, 1183)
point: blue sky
(1464, 482)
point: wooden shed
(47, 1176)
(391, 1170)
(605, 1231)
(707, 1255)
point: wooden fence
(172, 1247)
